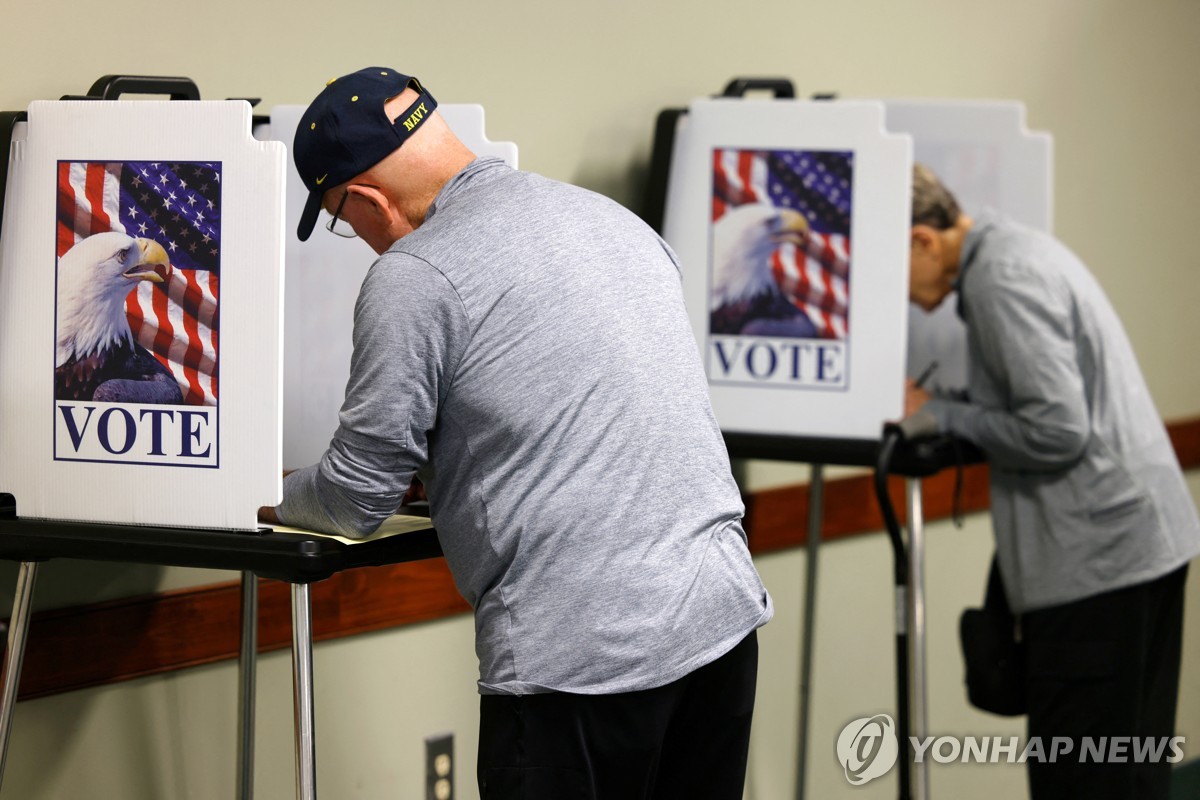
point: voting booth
(144, 393)
(791, 220)
(140, 329)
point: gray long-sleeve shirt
(527, 350)
(1086, 492)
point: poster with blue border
(138, 248)
(779, 268)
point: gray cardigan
(1086, 493)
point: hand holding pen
(915, 395)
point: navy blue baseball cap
(345, 131)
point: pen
(933, 365)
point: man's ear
(381, 205)
(926, 239)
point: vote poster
(779, 270)
(138, 247)
(790, 221)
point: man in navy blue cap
(522, 346)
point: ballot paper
(395, 525)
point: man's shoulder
(400, 268)
(400, 289)
(1014, 267)
(1011, 252)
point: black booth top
(285, 556)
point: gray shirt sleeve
(410, 331)
(1024, 331)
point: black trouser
(687, 739)
(1106, 666)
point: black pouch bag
(995, 658)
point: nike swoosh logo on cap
(321, 179)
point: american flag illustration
(178, 204)
(814, 278)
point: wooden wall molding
(92, 645)
(101, 643)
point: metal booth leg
(18, 626)
(247, 674)
(916, 616)
(816, 493)
(302, 682)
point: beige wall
(576, 86)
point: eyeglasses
(338, 225)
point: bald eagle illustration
(746, 298)
(96, 355)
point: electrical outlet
(439, 767)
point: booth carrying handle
(782, 88)
(111, 87)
